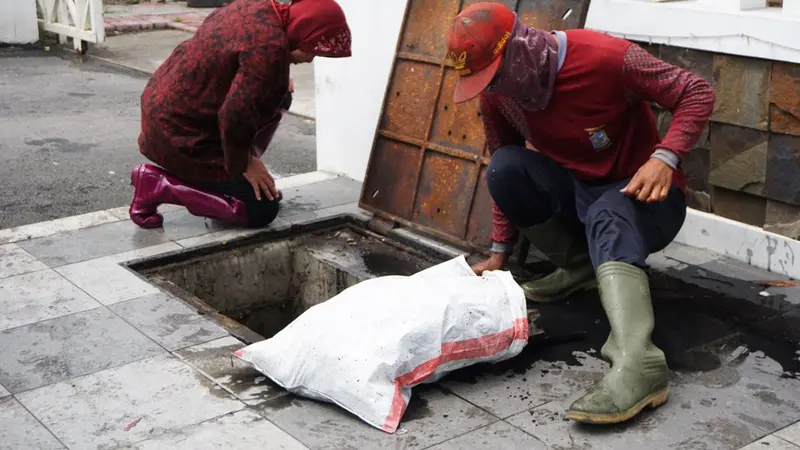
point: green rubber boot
(639, 373)
(574, 270)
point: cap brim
(471, 86)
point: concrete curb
(746, 243)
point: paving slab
(350, 209)
(167, 321)
(748, 387)
(96, 242)
(16, 261)
(180, 224)
(505, 391)
(314, 197)
(215, 359)
(20, 430)
(771, 443)
(499, 435)
(790, 433)
(36, 296)
(689, 255)
(221, 237)
(55, 350)
(242, 430)
(107, 281)
(72, 223)
(127, 404)
(4, 392)
(666, 427)
(762, 379)
(433, 416)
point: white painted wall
(18, 22)
(713, 25)
(350, 91)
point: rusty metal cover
(427, 166)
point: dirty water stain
(768, 397)
(382, 264)
(281, 403)
(755, 421)
(689, 319)
(80, 94)
(417, 409)
(60, 145)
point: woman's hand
(261, 180)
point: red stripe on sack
(481, 347)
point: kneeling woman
(209, 112)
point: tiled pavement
(93, 357)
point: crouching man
(602, 192)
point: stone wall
(746, 167)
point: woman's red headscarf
(317, 27)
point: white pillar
(350, 91)
(791, 8)
(18, 22)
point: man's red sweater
(599, 124)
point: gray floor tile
(107, 282)
(16, 261)
(168, 321)
(67, 248)
(20, 430)
(216, 360)
(433, 416)
(4, 392)
(689, 255)
(499, 436)
(242, 430)
(42, 229)
(696, 416)
(762, 383)
(771, 442)
(325, 194)
(351, 209)
(505, 393)
(122, 213)
(220, 237)
(59, 349)
(790, 433)
(36, 296)
(181, 225)
(128, 404)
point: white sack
(365, 348)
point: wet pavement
(94, 356)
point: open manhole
(256, 287)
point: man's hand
(495, 262)
(291, 85)
(261, 180)
(651, 183)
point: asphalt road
(68, 133)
